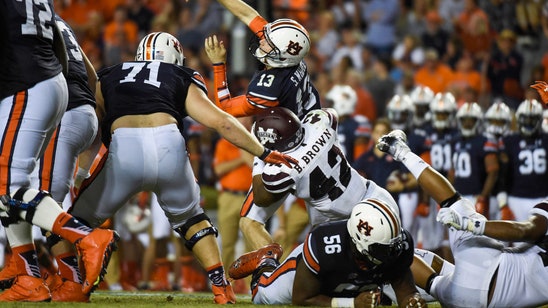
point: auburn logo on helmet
(364, 225)
(294, 48)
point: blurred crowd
(478, 50)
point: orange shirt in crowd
(462, 80)
(238, 179)
(77, 12)
(437, 80)
(365, 105)
(113, 30)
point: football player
(34, 97)
(525, 153)
(485, 274)
(280, 46)
(475, 162)
(141, 105)
(443, 108)
(401, 111)
(498, 118)
(340, 264)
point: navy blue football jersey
(349, 130)
(77, 78)
(141, 87)
(26, 45)
(327, 252)
(440, 151)
(288, 87)
(377, 169)
(469, 163)
(527, 164)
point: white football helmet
(529, 116)
(421, 97)
(469, 111)
(497, 119)
(400, 112)
(443, 108)
(376, 231)
(289, 40)
(160, 46)
(344, 99)
(545, 121)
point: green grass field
(149, 300)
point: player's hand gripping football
(276, 158)
(452, 218)
(542, 89)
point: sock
(69, 228)
(216, 274)
(26, 260)
(68, 267)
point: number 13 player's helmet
(289, 41)
(278, 129)
(376, 231)
(160, 46)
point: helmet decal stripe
(147, 47)
(389, 213)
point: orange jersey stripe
(288, 266)
(9, 139)
(309, 257)
(246, 207)
(47, 162)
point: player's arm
(201, 109)
(245, 14)
(406, 292)
(60, 48)
(263, 197)
(306, 288)
(90, 70)
(512, 231)
(237, 106)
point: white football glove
(395, 144)
(452, 218)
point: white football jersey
(322, 178)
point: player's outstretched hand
(276, 158)
(452, 218)
(394, 143)
(215, 50)
(370, 298)
(415, 301)
(542, 89)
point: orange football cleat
(247, 263)
(27, 289)
(8, 273)
(95, 251)
(223, 295)
(69, 291)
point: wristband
(265, 154)
(342, 302)
(414, 164)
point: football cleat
(26, 288)
(395, 144)
(223, 294)
(8, 273)
(66, 290)
(246, 264)
(95, 250)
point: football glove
(452, 218)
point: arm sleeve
(257, 24)
(237, 106)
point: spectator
(433, 73)
(380, 85)
(381, 16)
(139, 13)
(504, 69)
(435, 36)
(325, 37)
(465, 77)
(350, 47)
(473, 28)
(120, 36)
(365, 105)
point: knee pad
(16, 204)
(198, 235)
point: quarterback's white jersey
(322, 178)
